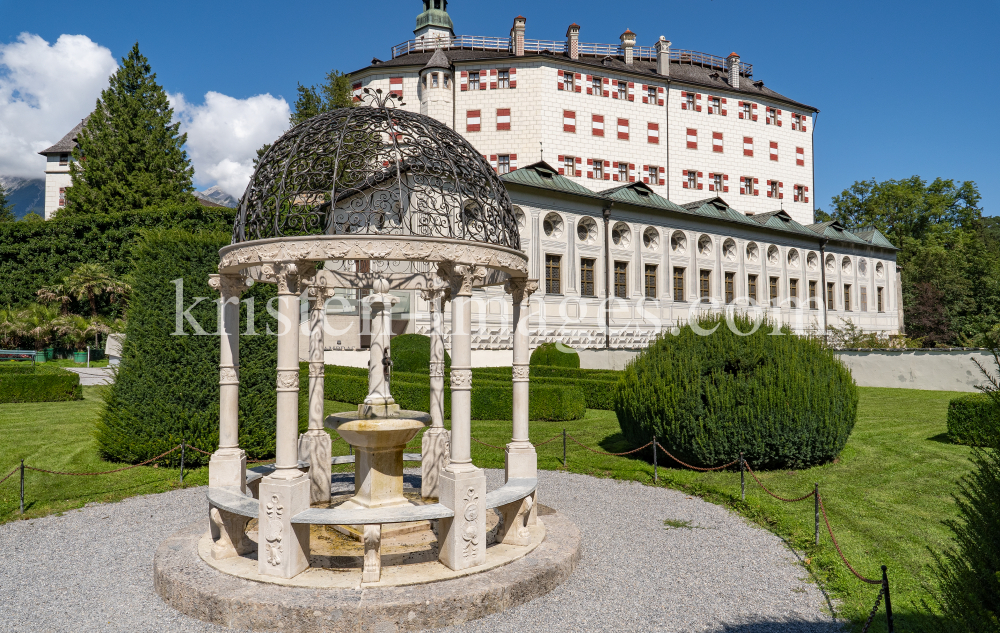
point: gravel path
(91, 569)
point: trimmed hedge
(36, 254)
(167, 387)
(16, 368)
(597, 385)
(490, 400)
(412, 353)
(973, 420)
(40, 388)
(784, 401)
(555, 355)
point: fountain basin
(379, 443)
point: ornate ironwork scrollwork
(375, 170)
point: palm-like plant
(89, 281)
(35, 323)
(8, 328)
(55, 294)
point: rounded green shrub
(555, 355)
(781, 399)
(411, 353)
(973, 419)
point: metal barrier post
(22, 486)
(183, 446)
(743, 480)
(816, 495)
(888, 603)
(656, 474)
(564, 448)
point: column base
(283, 548)
(462, 539)
(315, 447)
(435, 451)
(227, 468)
(520, 462)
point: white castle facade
(653, 184)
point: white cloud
(224, 134)
(45, 89)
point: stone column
(283, 548)
(462, 487)
(379, 402)
(315, 445)
(435, 446)
(521, 460)
(227, 468)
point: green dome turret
(434, 21)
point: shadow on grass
(943, 438)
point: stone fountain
(379, 430)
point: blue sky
(903, 88)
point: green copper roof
(872, 236)
(435, 17)
(640, 194)
(541, 175)
(544, 176)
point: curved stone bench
(513, 500)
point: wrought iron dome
(375, 170)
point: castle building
(57, 178)
(652, 184)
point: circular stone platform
(186, 582)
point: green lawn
(886, 495)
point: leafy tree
(949, 254)
(334, 93)
(908, 208)
(6, 208)
(130, 154)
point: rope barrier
(735, 461)
(107, 472)
(198, 449)
(837, 545)
(10, 474)
(811, 493)
(558, 437)
(485, 444)
(611, 454)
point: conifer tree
(334, 93)
(6, 208)
(130, 152)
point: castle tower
(434, 22)
(437, 89)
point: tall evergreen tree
(130, 152)
(6, 208)
(334, 93)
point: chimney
(628, 42)
(573, 41)
(663, 56)
(734, 70)
(517, 36)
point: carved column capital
(436, 369)
(288, 380)
(292, 277)
(229, 286)
(462, 277)
(461, 379)
(520, 288)
(431, 295)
